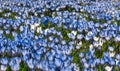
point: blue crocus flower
(112, 62)
(110, 48)
(118, 56)
(46, 21)
(56, 20)
(81, 55)
(107, 59)
(4, 61)
(1, 36)
(4, 21)
(86, 65)
(7, 31)
(72, 42)
(15, 67)
(63, 57)
(119, 64)
(68, 20)
(56, 40)
(58, 62)
(1, 32)
(30, 63)
(50, 57)
(63, 42)
(80, 36)
(97, 61)
(2, 49)
(102, 61)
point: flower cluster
(65, 35)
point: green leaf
(9, 69)
(24, 67)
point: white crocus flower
(1, 10)
(33, 27)
(100, 42)
(82, 10)
(96, 44)
(79, 45)
(107, 38)
(117, 38)
(112, 54)
(42, 15)
(113, 13)
(39, 29)
(46, 30)
(116, 61)
(3, 68)
(36, 24)
(74, 32)
(91, 47)
(96, 38)
(57, 9)
(108, 68)
(35, 14)
(21, 28)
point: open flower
(108, 68)
(3, 67)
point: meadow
(54, 35)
